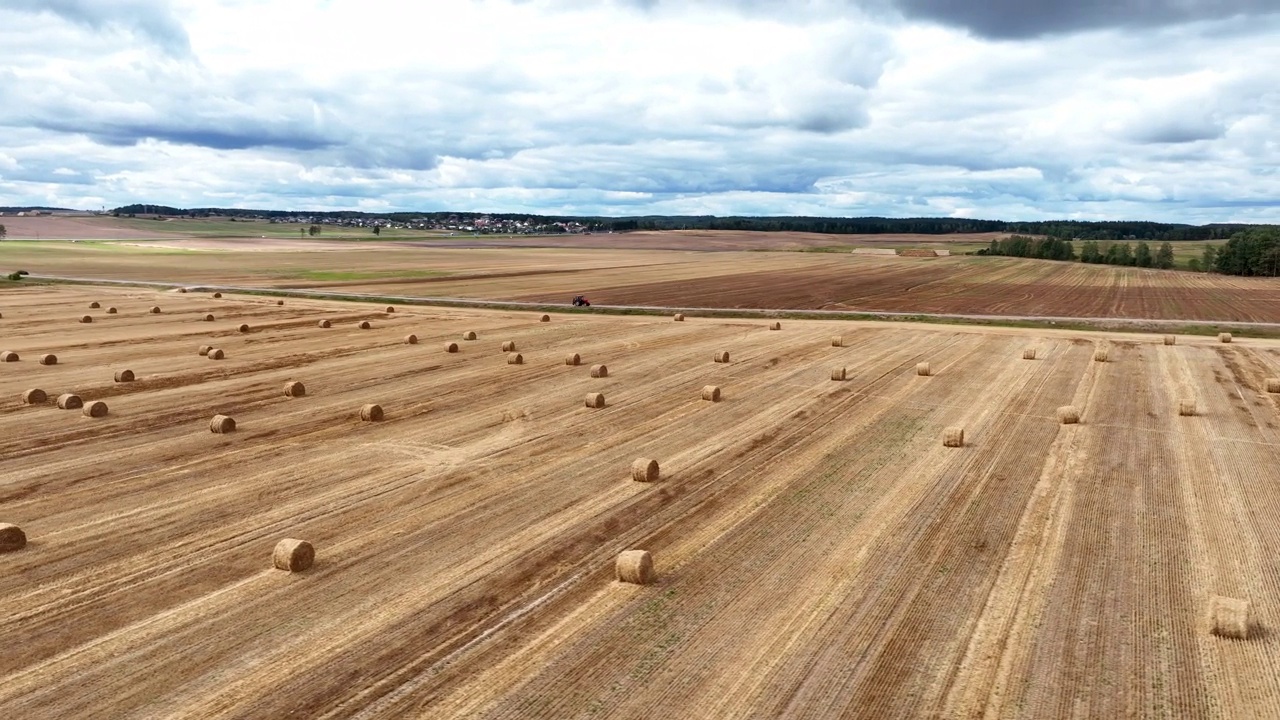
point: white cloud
(630, 106)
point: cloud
(847, 107)
(150, 19)
(1019, 19)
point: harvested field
(817, 551)
(836, 281)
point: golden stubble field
(819, 553)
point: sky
(1165, 110)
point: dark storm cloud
(144, 17)
(1017, 19)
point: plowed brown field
(819, 552)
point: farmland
(730, 279)
(818, 552)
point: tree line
(1091, 251)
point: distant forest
(1062, 229)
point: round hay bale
(215, 354)
(35, 396)
(410, 339)
(509, 346)
(1273, 385)
(953, 437)
(1187, 408)
(95, 305)
(8, 356)
(838, 374)
(595, 400)
(294, 388)
(1029, 354)
(371, 413)
(1229, 617)
(1170, 339)
(451, 347)
(209, 317)
(644, 470)
(1224, 337)
(390, 309)
(111, 311)
(1068, 415)
(48, 359)
(293, 555)
(635, 567)
(775, 326)
(95, 409)
(155, 310)
(86, 318)
(922, 369)
(722, 356)
(324, 324)
(711, 393)
(204, 349)
(679, 317)
(515, 359)
(279, 302)
(572, 359)
(221, 424)
(545, 318)
(1100, 355)
(217, 295)
(182, 290)
(11, 537)
(599, 371)
(244, 328)
(124, 376)
(364, 325)
(468, 335)
(70, 401)
(837, 341)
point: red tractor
(581, 301)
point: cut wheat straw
(293, 555)
(1068, 415)
(1229, 617)
(70, 401)
(635, 567)
(1100, 355)
(644, 470)
(11, 537)
(953, 437)
(95, 409)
